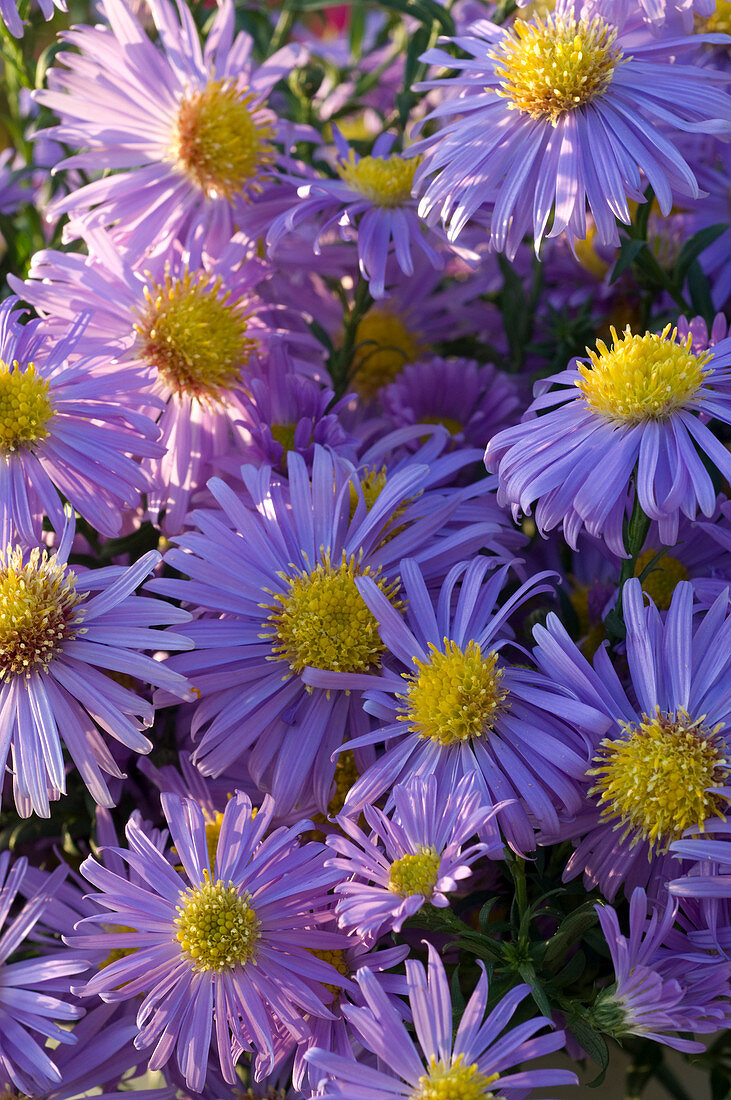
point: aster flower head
(288, 410)
(448, 704)
(70, 427)
(640, 405)
(195, 328)
(471, 1063)
(218, 947)
(35, 1000)
(274, 567)
(417, 854)
(371, 201)
(532, 105)
(63, 638)
(658, 990)
(472, 401)
(661, 763)
(197, 137)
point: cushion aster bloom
(216, 946)
(69, 427)
(185, 128)
(194, 328)
(552, 114)
(370, 200)
(641, 403)
(447, 703)
(63, 639)
(274, 568)
(472, 401)
(419, 853)
(470, 1064)
(31, 990)
(661, 984)
(663, 764)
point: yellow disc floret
(415, 874)
(555, 64)
(25, 407)
(322, 621)
(455, 694)
(217, 927)
(385, 181)
(218, 142)
(655, 780)
(195, 335)
(346, 773)
(663, 578)
(384, 344)
(454, 1080)
(642, 378)
(38, 611)
(720, 21)
(336, 958)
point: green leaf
(699, 292)
(572, 971)
(629, 251)
(538, 993)
(693, 247)
(569, 933)
(592, 1042)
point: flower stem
(342, 360)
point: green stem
(341, 367)
(635, 536)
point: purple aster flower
(219, 949)
(63, 639)
(419, 853)
(34, 992)
(186, 130)
(657, 990)
(641, 404)
(449, 705)
(472, 401)
(287, 410)
(193, 327)
(470, 1064)
(534, 103)
(11, 17)
(663, 764)
(69, 426)
(274, 569)
(371, 201)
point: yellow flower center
(720, 21)
(415, 874)
(25, 407)
(37, 602)
(322, 621)
(117, 953)
(662, 580)
(218, 142)
(283, 434)
(642, 377)
(194, 335)
(655, 779)
(336, 958)
(454, 695)
(217, 927)
(386, 181)
(384, 345)
(555, 64)
(453, 426)
(454, 1081)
